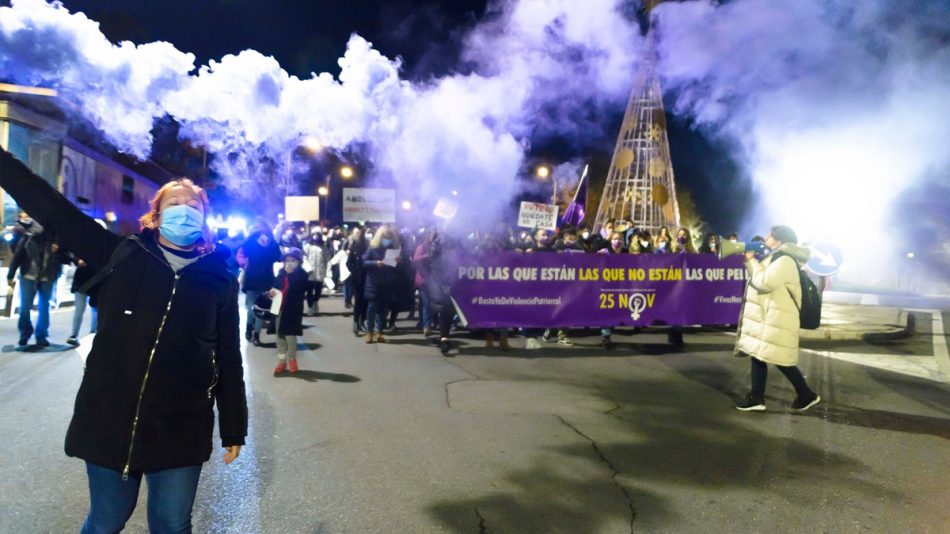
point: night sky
(310, 36)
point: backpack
(809, 314)
(809, 310)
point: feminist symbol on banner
(638, 303)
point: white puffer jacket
(316, 262)
(769, 326)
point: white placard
(302, 209)
(340, 260)
(392, 256)
(446, 208)
(369, 205)
(276, 301)
(537, 215)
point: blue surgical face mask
(181, 225)
(387, 242)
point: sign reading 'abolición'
(597, 290)
(369, 205)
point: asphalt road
(397, 438)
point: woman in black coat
(167, 349)
(291, 283)
(382, 283)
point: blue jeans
(80, 300)
(348, 291)
(250, 297)
(28, 292)
(424, 314)
(171, 495)
(377, 311)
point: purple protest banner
(549, 290)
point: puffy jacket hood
(799, 253)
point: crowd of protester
(382, 272)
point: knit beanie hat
(784, 234)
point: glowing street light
(455, 193)
(323, 191)
(346, 171)
(543, 172)
(406, 205)
(313, 144)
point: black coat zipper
(151, 357)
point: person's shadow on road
(36, 348)
(314, 376)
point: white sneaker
(565, 341)
(532, 343)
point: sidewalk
(840, 322)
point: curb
(877, 336)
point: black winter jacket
(259, 271)
(381, 282)
(38, 250)
(166, 350)
(291, 311)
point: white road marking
(936, 367)
(941, 353)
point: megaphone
(728, 248)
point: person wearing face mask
(607, 229)
(711, 245)
(167, 351)
(288, 237)
(540, 242)
(642, 243)
(615, 247)
(382, 281)
(291, 283)
(569, 242)
(257, 257)
(615, 244)
(592, 242)
(683, 244)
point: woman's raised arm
(75, 231)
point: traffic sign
(825, 259)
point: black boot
(249, 333)
(675, 338)
(256, 339)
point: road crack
(482, 529)
(610, 465)
(474, 376)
